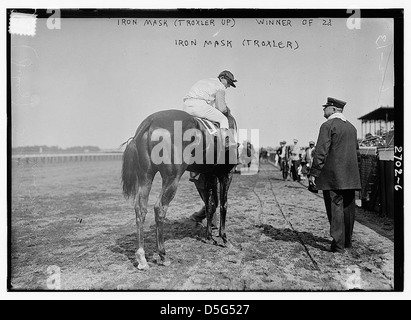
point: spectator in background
(263, 155)
(335, 170)
(282, 154)
(307, 159)
(295, 157)
(311, 149)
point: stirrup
(194, 176)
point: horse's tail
(129, 170)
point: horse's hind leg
(168, 191)
(225, 182)
(140, 208)
(211, 201)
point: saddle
(211, 126)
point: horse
(171, 142)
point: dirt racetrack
(71, 229)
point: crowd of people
(293, 160)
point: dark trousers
(284, 167)
(340, 207)
(294, 170)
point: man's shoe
(336, 250)
(333, 248)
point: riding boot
(227, 142)
(193, 176)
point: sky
(92, 81)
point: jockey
(206, 99)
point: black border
(399, 142)
(396, 14)
(214, 13)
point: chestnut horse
(172, 142)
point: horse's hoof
(141, 260)
(222, 245)
(143, 266)
(165, 262)
(224, 238)
(161, 261)
(209, 241)
(225, 242)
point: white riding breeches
(200, 108)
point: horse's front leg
(225, 182)
(210, 206)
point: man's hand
(312, 180)
(312, 187)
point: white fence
(59, 158)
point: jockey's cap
(228, 76)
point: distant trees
(54, 149)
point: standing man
(309, 156)
(335, 171)
(283, 159)
(295, 160)
(306, 160)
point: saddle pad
(209, 125)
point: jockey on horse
(206, 99)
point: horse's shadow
(290, 235)
(173, 229)
(183, 228)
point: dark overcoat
(335, 158)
